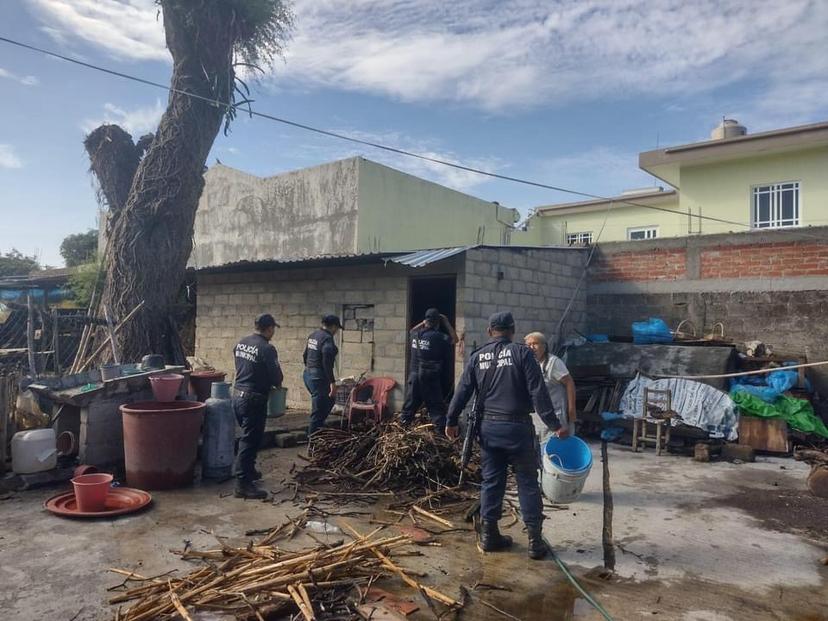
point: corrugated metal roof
(421, 258)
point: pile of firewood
(389, 457)
(261, 581)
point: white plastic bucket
(559, 484)
(34, 451)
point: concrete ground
(696, 542)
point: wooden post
(606, 535)
(56, 339)
(30, 336)
(110, 331)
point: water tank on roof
(729, 128)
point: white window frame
(581, 238)
(650, 232)
(774, 191)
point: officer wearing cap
(507, 377)
(430, 354)
(257, 371)
(319, 356)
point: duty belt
(507, 418)
(248, 393)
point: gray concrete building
(380, 296)
(351, 206)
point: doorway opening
(438, 292)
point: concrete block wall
(536, 285)
(769, 285)
(228, 303)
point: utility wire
(369, 143)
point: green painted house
(735, 181)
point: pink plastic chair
(378, 406)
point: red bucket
(202, 381)
(165, 387)
(91, 491)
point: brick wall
(771, 286)
(803, 258)
(653, 265)
(228, 303)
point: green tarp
(798, 413)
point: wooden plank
(764, 434)
(4, 422)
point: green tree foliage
(79, 248)
(15, 263)
(84, 280)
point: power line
(375, 145)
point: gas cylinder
(219, 434)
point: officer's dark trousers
(425, 386)
(321, 403)
(251, 415)
(504, 443)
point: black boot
(257, 475)
(490, 538)
(249, 489)
(537, 546)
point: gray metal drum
(218, 443)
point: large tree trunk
(151, 238)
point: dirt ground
(696, 542)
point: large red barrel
(161, 442)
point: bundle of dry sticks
(260, 581)
(389, 457)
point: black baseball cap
(331, 320)
(265, 321)
(432, 313)
(502, 321)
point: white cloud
(137, 121)
(461, 180)
(25, 80)
(8, 158)
(126, 29)
(605, 171)
(499, 56)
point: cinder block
(285, 440)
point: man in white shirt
(559, 382)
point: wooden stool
(655, 402)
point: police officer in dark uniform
(257, 371)
(319, 356)
(430, 355)
(510, 379)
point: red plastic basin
(161, 442)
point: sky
(564, 92)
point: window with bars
(642, 232)
(776, 205)
(579, 239)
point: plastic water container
(34, 451)
(566, 466)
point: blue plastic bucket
(570, 454)
(566, 466)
